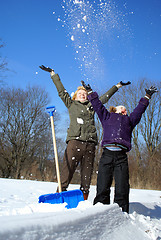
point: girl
(117, 134)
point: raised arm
(98, 106)
(63, 94)
(137, 113)
(106, 96)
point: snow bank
(22, 217)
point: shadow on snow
(142, 209)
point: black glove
(87, 87)
(126, 83)
(47, 69)
(151, 91)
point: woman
(81, 134)
(117, 134)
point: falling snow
(80, 121)
(90, 24)
(72, 38)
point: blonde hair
(78, 88)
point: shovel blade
(72, 198)
(53, 198)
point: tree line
(25, 134)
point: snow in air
(80, 121)
(91, 26)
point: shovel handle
(56, 154)
(51, 110)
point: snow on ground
(23, 218)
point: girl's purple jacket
(117, 128)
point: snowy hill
(22, 217)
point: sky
(101, 42)
(22, 217)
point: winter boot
(63, 189)
(85, 195)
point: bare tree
(24, 130)
(151, 123)
(3, 63)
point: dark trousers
(113, 164)
(75, 153)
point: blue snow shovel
(73, 197)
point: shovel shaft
(56, 154)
